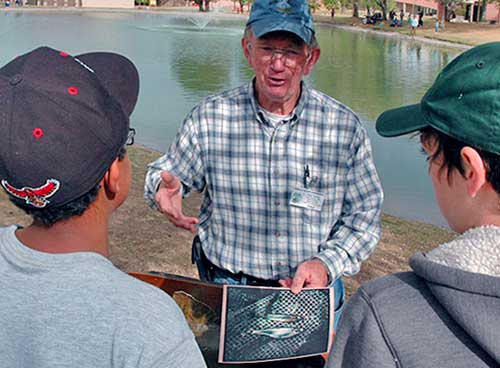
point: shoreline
(216, 14)
(426, 40)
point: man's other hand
(312, 273)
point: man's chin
(276, 94)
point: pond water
(182, 58)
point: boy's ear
(474, 169)
(111, 179)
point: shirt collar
(304, 95)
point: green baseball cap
(282, 15)
(463, 102)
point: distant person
(445, 313)
(442, 25)
(436, 26)
(333, 13)
(413, 25)
(421, 18)
(401, 17)
(65, 129)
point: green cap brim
(403, 120)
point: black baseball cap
(63, 121)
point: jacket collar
(477, 250)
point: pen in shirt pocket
(307, 178)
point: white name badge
(307, 199)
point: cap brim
(265, 26)
(403, 120)
(117, 74)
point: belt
(241, 277)
(208, 271)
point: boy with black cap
(446, 312)
(65, 125)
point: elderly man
(291, 195)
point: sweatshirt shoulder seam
(364, 295)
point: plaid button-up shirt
(249, 169)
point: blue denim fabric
(339, 295)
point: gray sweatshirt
(446, 313)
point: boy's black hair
(49, 216)
(451, 147)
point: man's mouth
(276, 82)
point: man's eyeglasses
(291, 57)
(130, 137)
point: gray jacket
(446, 313)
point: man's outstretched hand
(169, 200)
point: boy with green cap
(445, 313)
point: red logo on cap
(38, 133)
(37, 197)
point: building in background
(108, 3)
(470, 8)
(83, 3)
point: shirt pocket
(328, 181)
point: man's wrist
(329, 275)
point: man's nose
(278, 60)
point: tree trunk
(207, 5)
(355, 9)
(368, 10)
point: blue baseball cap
(282, 15)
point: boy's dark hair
(49, 216)
(451, 147)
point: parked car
(375, 18)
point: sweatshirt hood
(471, 298)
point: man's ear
(474, 169)
(313, 59)
(245, 46)
(111, 179)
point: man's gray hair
(247, 34)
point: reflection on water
(179, 64)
